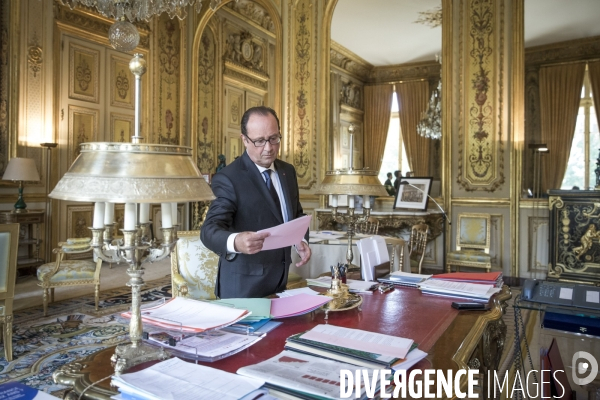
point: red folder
(470, 276)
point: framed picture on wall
(413, 193)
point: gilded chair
(67, 273)
(472, 243)
(397, 248)
(417, 246)
(9, 244)
(369, 227)
(193, 267)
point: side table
(29, 236)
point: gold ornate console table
(391, 222)
(574, 236)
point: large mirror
(373, 45)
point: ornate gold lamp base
(342, 299)
(130, 354)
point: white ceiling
(383, 32)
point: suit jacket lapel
(284, 180)
(258, 181)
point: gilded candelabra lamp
(136, 174)
(350, 182)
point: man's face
(261, 127)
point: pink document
(296, 305)
(287, 234)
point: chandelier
(123, 35)
(430, 125)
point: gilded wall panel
(84, 68)
(481, 158)
(122, 83)
(205, 137)
(302, 92)
(168, 58)
(121, 127)
(83, 127)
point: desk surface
(452, 338)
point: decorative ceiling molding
(349, 62)
(429, 70)
(254, 12)
(571, 50)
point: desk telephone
(564, 294)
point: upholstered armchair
(9, 245)
(417, 246)
(193, 267)
(65, 273)
(472, 243)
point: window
(394, 156)
(586, 144)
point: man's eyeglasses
(262, 142)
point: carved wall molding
(205, 138)
(481, 145)
(349, 62)
(242, 75)
(86, 19)
(254, 12)
(35, 56)
(571, 50)
(429, 70)
(247, 51)
(351, 94)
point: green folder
(259, 307)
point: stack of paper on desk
(404, 278)
(473, 291)
(296, 305)
(177, 379)
(357, 347)
(354, 286)
(190, 315)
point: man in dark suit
(256, 191)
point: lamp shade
(21, 169)
(352, 182)
(133, 173)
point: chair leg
(45, 300)
(97, 295)
(8, 350)
(51, 295)
(448, 268)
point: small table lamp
(21, 169)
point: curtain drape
(560, 94)
(412, 102)
(594, 71)
(378, 110)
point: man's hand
(250, 242)
(304, 252)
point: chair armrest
(179, 284)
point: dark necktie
(272, 191)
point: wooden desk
(454, 340)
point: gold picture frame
(84, 68)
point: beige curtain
(378, 110)
(412, 102)
(594, 71)
(560, 94)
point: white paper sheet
(177, 379)
(592, 296)
(287, 234)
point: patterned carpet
(72, 330)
